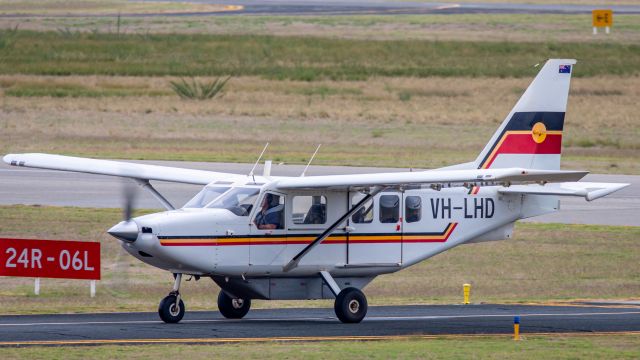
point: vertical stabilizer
(531, 135)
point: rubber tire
(164, 310)
(225, 305)
(344, 299)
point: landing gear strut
(171, 308)
(233, 308)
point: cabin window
(270, 215)
(364, 215)
(238, 200)
(389, 208)
(207, 195)
(309, 209)
(413, 208)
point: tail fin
(531, 135)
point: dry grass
(420, 123)
(543, 262)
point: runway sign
(602, 18)
(50, 259)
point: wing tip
(610, 189)
(8, 158)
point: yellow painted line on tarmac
(233, 7)
(300, 339)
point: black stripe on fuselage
(304, 235)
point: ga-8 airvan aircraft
(325, 237)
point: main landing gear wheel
(350, 305)
(233, 308)
(169, 311)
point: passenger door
(376, 235)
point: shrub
(198, 90)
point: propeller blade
(129, 197)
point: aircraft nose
(125, 231)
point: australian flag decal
(565, 69)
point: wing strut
(146, 185)
(296, 259)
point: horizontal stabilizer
(589, 190)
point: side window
(309, 209)
(270, 215)
(364, 215)
(413, 208)
(389, 208)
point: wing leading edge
(117, 168)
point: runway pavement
(316, 324)
(381, 7)
(44, 187)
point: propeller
(129, 194)
(127, 230)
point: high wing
(589, 190)
(485, 177)
(117, 168)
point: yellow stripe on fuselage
(352, 238)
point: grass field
(556, 28)
(489, 347)
(421, 123)
(545, 262)
(295, 58)
(428, 103)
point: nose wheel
(233, 308)
(171, 308)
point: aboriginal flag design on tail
(527, 133)
(531, 135)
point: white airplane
(325, 237)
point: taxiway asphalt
(317, 324)
(47, 187)
(382, 7)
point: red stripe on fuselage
(340, 239)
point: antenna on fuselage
(310, 160)
(257, 162)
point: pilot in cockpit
(271, 213)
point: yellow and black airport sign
(602, 18)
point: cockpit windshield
(204, 197)
(238, 200)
